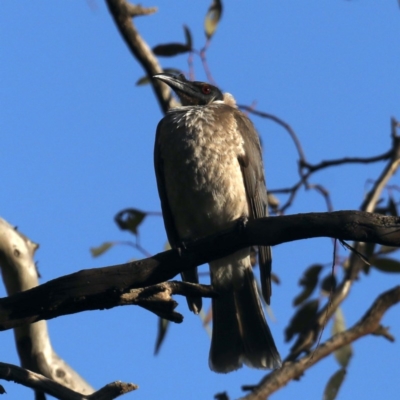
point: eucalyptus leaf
(212, 19)
(334, 384)
(386, 264)
(98, 251)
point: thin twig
(346, 160)
(206, 68)
(282, 123)
(122, 12)
(368, 324)
(308, 337)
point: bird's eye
(206, 89)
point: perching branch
(106, 287)
(158, 298)
(369, 324)
(40, 383)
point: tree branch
(106, 287)
(122, 12)
(285, 125)
(32, 340)
(40, 383)
(157, 298)
(307, 338)
(369, 324)
(346, 160)
(393, 155)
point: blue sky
(77, 147)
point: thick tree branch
(40, 383)
(369, 324)
(105, 287)
(32, 340)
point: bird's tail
(240, 331)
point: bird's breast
(203, 178)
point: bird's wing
(195, 303)
(254, 181)
(169, 222)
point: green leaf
(98, 251)
(369, 249)
(386, 264)
(221, 396)
(309, 280)
(301, 319)
(130, 219)
(170, 49)
(334, 384)
(388, 249)
(188, 37)
(213, 17)
(144, 80)
(344, 353)
(163, 325)
(339, 322)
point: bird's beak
(180, 86)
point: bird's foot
(183, 246)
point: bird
(209, 172)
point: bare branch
(285, 125)
(393, 155)
(373, 196)
(308, 337)
(157, 298)
(369, 324)
(38, 382)
(104, 287)
(32, 340)
(138, 10)
(122, 12)
(346, 160)
(206, 68)
(384, 332)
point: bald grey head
(191, 93)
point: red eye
(206, 89)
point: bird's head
(191, 93)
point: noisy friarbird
(209, 173)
